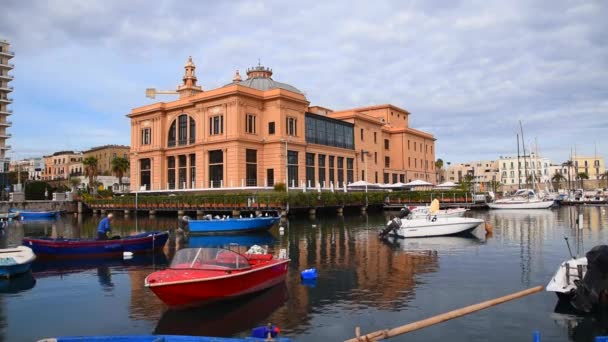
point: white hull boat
(422, 212)
(441, 226)
(521, 204)
(563, 282)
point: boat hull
(222, 286)
(36, 215)
(232, 225)
(156, 338)
(441, 213)
(71, 248)
(522, 205)
(562, 282)
(418, 228)
(15, 261)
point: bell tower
(189, 86)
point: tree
(439, 164)
(604, 176)
(557, 179)
(120, 166)
(569, 165)
(495, 185)
(74, 182)
(466, 182)
(438, 169)
(582, 176)
(91, 170)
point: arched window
(182, 131)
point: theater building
(258, 132)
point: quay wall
(66, 206)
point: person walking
(103, 229)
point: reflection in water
(43, 268)
(105, 278)
(18, 283)
(247, 240)
(436, 244)
(580, 328)
(225, 318)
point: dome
(259, 78)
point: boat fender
(434, 219)
(310, 273)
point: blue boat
(263, 238)
(15, 260)
(232, 225)
(79, 248)
(36, 215)
(160, 338)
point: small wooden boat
(201, 275)
(15, 260)
(159, 338)
(36, 215)
(231, 225)
(436, 226)
(72, 248)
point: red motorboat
(201, 275)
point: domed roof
(259, 78)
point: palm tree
(91, 170)
(557, 179)
(604, 176)
(120, 166)
(438, 167)
(582, 176)
(569, 164)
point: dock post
(340, 211)
(152, 212)
(236, 213)
(80, 209)
(312, 212)
(127, 212)
(181, 213)
(364, 209)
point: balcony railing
(6, 112)
(6, 123)
(6, 88)
(7, 53)
(6, 99)
(7, 147)
(7, 65)
(6, 135)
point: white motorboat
(522, 199)
(424, 211)
(563, 282)
(436, 226)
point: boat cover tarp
(592, 292)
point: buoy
(308, 274)
(488, 228)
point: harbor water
(362, 281)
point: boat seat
(256, 259)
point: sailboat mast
(523, 145)
(518, 165)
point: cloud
(468, 71)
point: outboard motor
(592, 292)
(404, 213)
(395, 223)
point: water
(362, 282)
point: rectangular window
(182, 129)
(375, 136)
(322, 169)
(216, 125)
(269, 177)
(386, 180)
(375, 157)
(362, 158)
(182, 172)
(341, 171)
(291, 125)
(271, 127)
(292, 168)
(387, 162)
(402, 178)
(362, 175)
(192, 131)
(250, 123)
(144, 174)
(361, 134)
(146, 136)
(171, 172)
(408, 144)
(394, 178)
(376, 177)
(193, 171)
(310, 169)
(251, 160)
(409, 162)
(350, 176)
(331, 169)
(386, 144)
(216, 168)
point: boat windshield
(209, 259)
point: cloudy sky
(468, 71)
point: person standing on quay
(103, 230)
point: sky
(467, 71)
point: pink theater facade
(256, 132)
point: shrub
(280, 187)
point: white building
(33, 166)
(514, 171)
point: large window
(192, 131)
(310, 169)
(387, 162)
(386, 178)
(291, 125)
(250, 123)
(216, 168)
(292, 168)
(330, 132)
(172, 137)
(340, 171)
(350, 162)
(386, 144)
(251, 160)
(269, 177)
(322, 169)
(182, 172)
(170, 172)
(271, 127)
(146, 136)
(331, 169)
(145, 168)
(395, 178)
(183, 129)
(193, 171)
(216, 125)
